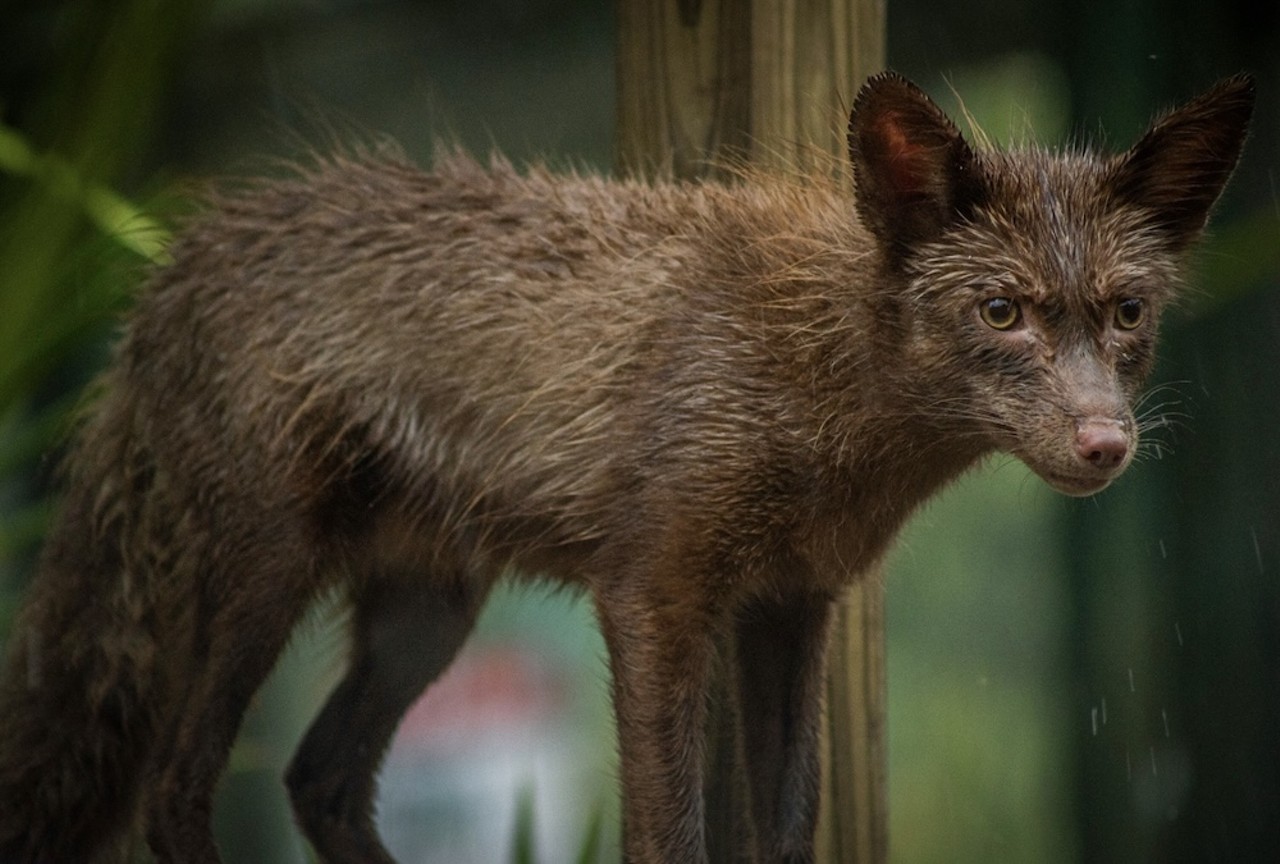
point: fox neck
(882, 464)
(902, 447)
(884, 425)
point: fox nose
(1102, 443)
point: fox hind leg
(406, 631)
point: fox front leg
(661, 656)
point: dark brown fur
(710, 406)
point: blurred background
(1068, 680)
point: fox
(707, 405)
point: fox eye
(999, 313)
(1130, 313)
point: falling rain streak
(1094, 716)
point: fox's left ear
(1177, 169)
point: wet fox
(710, 406)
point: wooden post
(702, 81)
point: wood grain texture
(854, 822)
(772, 80)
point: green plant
(522, 843)
(64, 270)
(70, 246)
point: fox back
(710, 406)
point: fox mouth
(1098, 455)
(1076, 485)
(1076, 481)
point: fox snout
(1100, 435)
(1098, 453)
(1103, 443)
(1083, 456)
(1082, 434)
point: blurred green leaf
(1239, 256)
(523, 841)
(114, 216)
(71, 245)
(590, 852)
(26, 435)
(24, 526)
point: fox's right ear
(914, 172)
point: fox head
(1029, 284)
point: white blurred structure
(496, 727)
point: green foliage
(110, 213)
(522, 842)
(523, 839)
(71, 245)
(61, 285)
(1241, 256)
(590, 852)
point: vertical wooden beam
(853, 827)
(684, 88)
(701, 82)
(771, 80)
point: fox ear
(1177, 169)
(913, 171)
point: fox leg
(407, 630)
(781, 660)
(661, 656)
